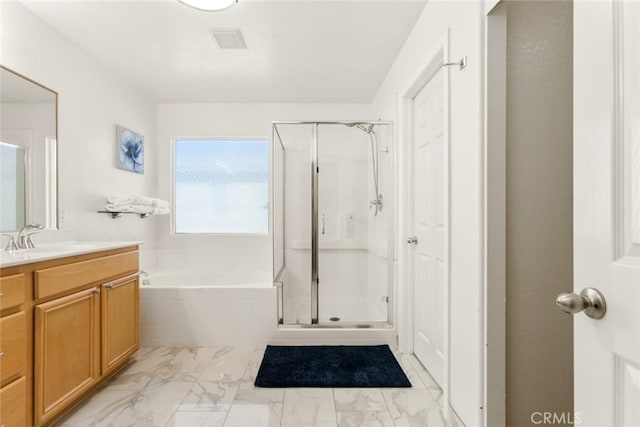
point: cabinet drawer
(13, 330)
(56, 280)
(13, 400)
(12, 289)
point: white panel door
(430, 271)
(607, 210)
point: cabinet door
(66, 350)
(120, 321)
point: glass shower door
(352, 276)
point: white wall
(225, 120)
(91, 102)
(464, 22)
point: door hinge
(317, 281)
(385, 299)
(317, 169)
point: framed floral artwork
(130, 147)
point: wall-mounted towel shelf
(115, 215)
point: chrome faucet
(24, 236)
(11, 244)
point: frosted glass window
(221, 186)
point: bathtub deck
(188, 387)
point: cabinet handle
(109, 286)
(1, 295)
(1, 354)
(96, 291)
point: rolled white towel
(134, 199)
(139, 209)
(159, 203)
(160, 211)
(131, 199)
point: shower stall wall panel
(277, 203)
(296, 277)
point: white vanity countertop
(58, 250)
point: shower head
(368, 129)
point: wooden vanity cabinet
(76, 324)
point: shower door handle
(322, 231)
(412, 240)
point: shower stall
(332, 199)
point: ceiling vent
(229, 38)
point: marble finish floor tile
(146, 365)
(308, 407)
(364, 419)
(249, 378)
(413, 408)
(193, 360)
(207, 386)
(255, 415)
(258, 407)
(197, 419)
(100, 409)
(362, 399)
(209, 396)
(228, 365)
(425, 377)
(413, 373)
(154, 406)
(260, 395)
(187, 364)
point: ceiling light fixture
(209, 5)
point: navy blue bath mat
(330, 366)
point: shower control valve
(377, 203)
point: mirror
(28, 153)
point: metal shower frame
(314, 230)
